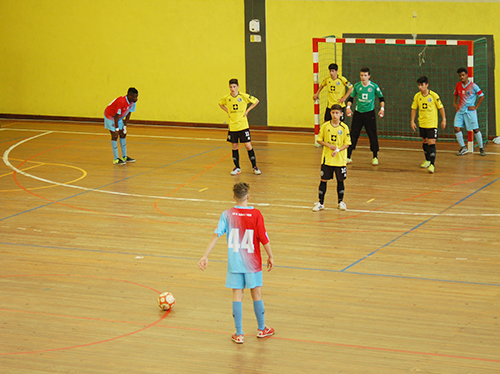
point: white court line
(7, 162)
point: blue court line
(225, 262)
(106, 185)
(420, 224)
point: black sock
(251, 156)
(432, 153)
(340, 190)
(236, 158)
(322, 192)
(425, 147)
(349, 152)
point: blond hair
(240, 190)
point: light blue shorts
(110, 124)
(239, 281)
(467, 118)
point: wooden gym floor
(406, 280)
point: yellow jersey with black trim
(338, 135)
(428, 107)
(236, 107)
(336, 89)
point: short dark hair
(336, 107)
(333, 67)
(234, 81)
(365, 70)
(423, 79)
(462, 70)
(240, 190)
(133, 91)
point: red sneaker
(268, 331)
(238, 339)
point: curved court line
(7, 162)
(92, 343)
(84, 174)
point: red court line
(207, 168)
(92, 343)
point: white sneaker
(236, 171)
(317, 207)
(256, 171)
(349, 161)
(342, 206)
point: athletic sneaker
(317, 207)
(462, 151)
(425, 164)
(342, 206)
(118, 161)
(236, 171)
(349, 161)
(256, 171)
(238, 339)
(430, 169)
(482, 152)
(128, 159)
(268, 331)
(375, 161)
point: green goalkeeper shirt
(366, 96)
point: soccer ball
(166, 301)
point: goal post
(395, 65)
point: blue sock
(479, 138)
(258, 308)
(123, 144)
(460, 138)
(238, 317)
(114, 145)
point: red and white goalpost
(316, 60)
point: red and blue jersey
(245, 231)
(120, 106)
(467, 94)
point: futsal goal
(395, 65)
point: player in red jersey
(245, 231)
(116, 117)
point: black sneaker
(128, 159)
(482, 152)
(462, 151)
(118, 161)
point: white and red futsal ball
(166, 301)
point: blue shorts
(110, 124)
(468, 118)
(240, 281)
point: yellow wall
(291, 25)
(73, 57)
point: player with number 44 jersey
(245, 230)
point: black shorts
(327, 172)
(428, 133)
(243, 136)
(328, 115)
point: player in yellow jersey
(337, 86)
(428, 104)
(235, 104)
(335, 138)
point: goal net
(395, 65)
